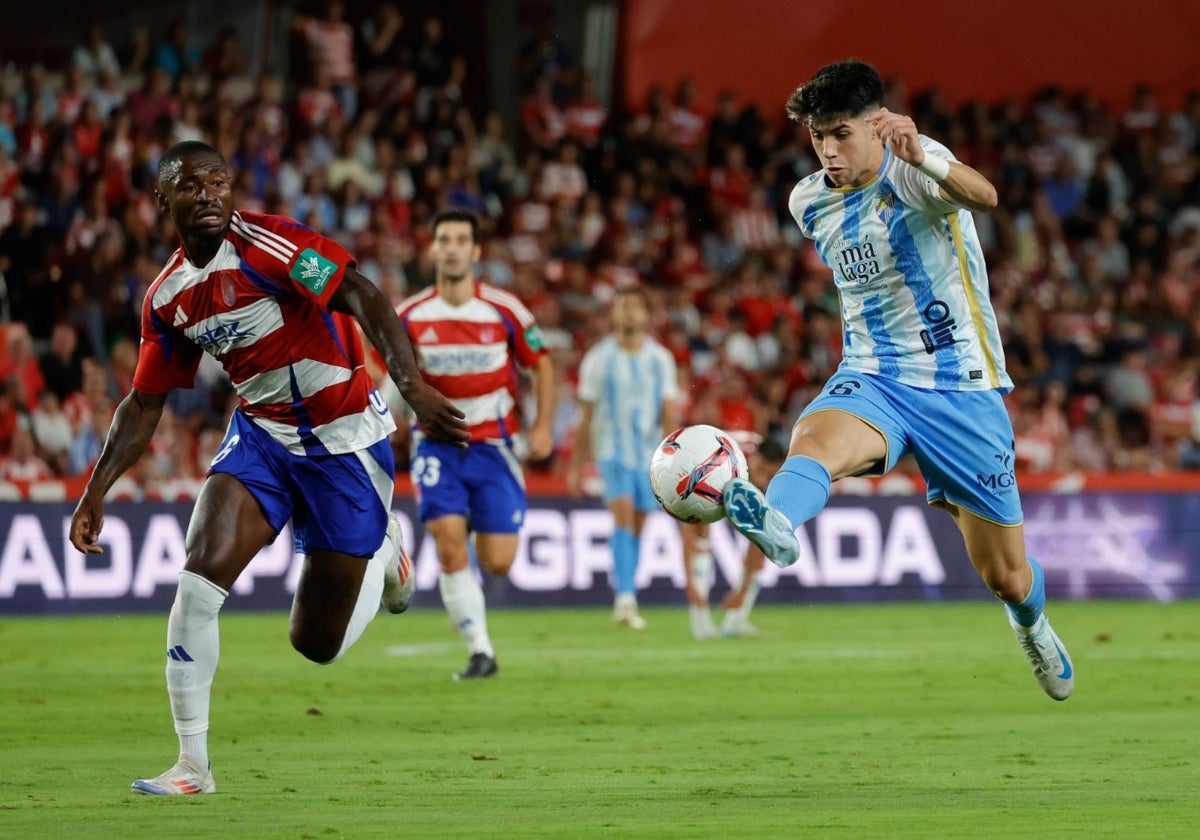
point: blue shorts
(962, 440)
(622, 482)
(335, 502)
(482, 482)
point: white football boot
(184, 779)
(399, 582)
(1047, 656)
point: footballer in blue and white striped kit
(627, 393)
(922, 369)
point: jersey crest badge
(228, 292)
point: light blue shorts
(962, 440)
(335, 502)
(622, 482)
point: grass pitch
(841, 721)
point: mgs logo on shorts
(1003, 481)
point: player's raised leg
(998, 554)
(352, 544)
(226, 531)
(827, 444)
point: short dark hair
(845, 88)
(172, 156)
(456, 214)
(635, 289)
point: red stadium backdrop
(762, 49)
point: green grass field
(848, 721)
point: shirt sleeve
(528, 341)
(167, 359)
(589, 378)
(292, 257)
(670, 388)
(919, 190)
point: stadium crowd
(1094, 252)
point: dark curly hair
(845, 88)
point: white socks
(735, 618)
(463, 598)
(193, 648)
(369, 593)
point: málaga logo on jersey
(312, 270)
(858, 263)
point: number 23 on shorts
(426, 470)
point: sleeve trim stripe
(263, 244)
(509, 301)
(406, 306)
(281, 242)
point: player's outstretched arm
(541, 438)
(581, 450)
(133, 425)
(960, 184)
(358, 297)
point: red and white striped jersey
(471, 352)
(261, 308)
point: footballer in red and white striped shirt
(276, 304)
(471, 338)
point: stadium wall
(1093, 545)
(762, 49)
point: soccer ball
(691, 467)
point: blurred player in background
(471, 338)
(276, 304)
(764, 458)
(627, 394)
(923, 368)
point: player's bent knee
(497, 565)
(1007, 584)
(319, 649)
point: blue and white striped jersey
(628, 391)
(910, 274)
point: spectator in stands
(543, 123)
(62, 363)
(586, 116)
(175, 55)
(22, 462)
(152, 101)
(330, 44)
(225, 57)
(52, 432)
(96, 57)
(434, 59)
(25, 248)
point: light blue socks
(800, 489)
